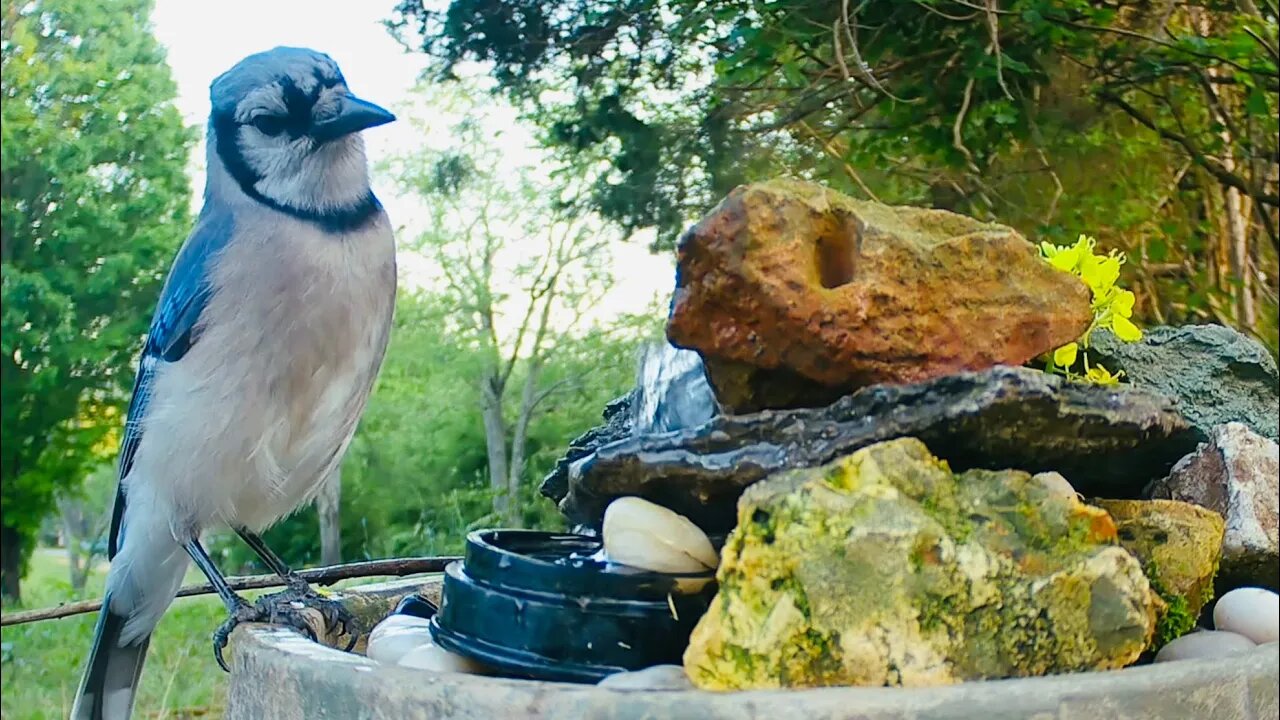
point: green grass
(42, 660)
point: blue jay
(269, 333)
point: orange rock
(787, 282)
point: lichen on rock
(884, 568)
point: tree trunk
(10, 564)
(1234, 208)
(495, 438)
(520, 438)
(328, 507)
(1238, 233)
(75, 532)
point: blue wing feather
(174, 329)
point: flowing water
(672, 392)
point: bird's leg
(299, 593)
(273, 561)
(239, 608)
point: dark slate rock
(619, 417)
(1216, 374)
(1108, 442)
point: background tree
(520, 263)
(1150, 125)
(94, 199)
(84, 516)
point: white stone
(658, 677)
(395, 636)
(1056, 484)
(643, 535)
(1252, 612)
(430, 656)
(399, 622)
(1205, 644)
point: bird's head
(286, 129)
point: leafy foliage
(1155, 124)
(93, 202)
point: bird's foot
(338, 620)
(242, 612)
(289, 608)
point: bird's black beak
(353, 115)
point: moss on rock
(884, 568)
(1179, 545)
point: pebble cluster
(404, 640)
(1242, 620)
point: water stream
(672, 392)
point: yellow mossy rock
(885, 568)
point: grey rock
(658, 677)
(1216, 374)
(1237, 475)
(1107, 441)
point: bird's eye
(269, 124)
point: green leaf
(1255, 102)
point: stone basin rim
(275, 668)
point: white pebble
(395, 636)
(658, 677)
(1204, 644)
(430, 656)
(398, 622)
(1252, 612)
(1055, 484)
(643, 535)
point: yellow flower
(1099, 375)
(1064, 258)
(1112, 306)
(1125, 329)
(1100, 273)
(1065, 356)
(1122, 303)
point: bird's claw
(285, 608)
(243, 612)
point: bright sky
(204, 39)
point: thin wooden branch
(835, 154)
(957, 127)
(328, 575)
(993, 27)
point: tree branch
(1211, 165)
(329, 575)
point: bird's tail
(144, 578)
(111, 677)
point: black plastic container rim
(518, 560)
(520, 663)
